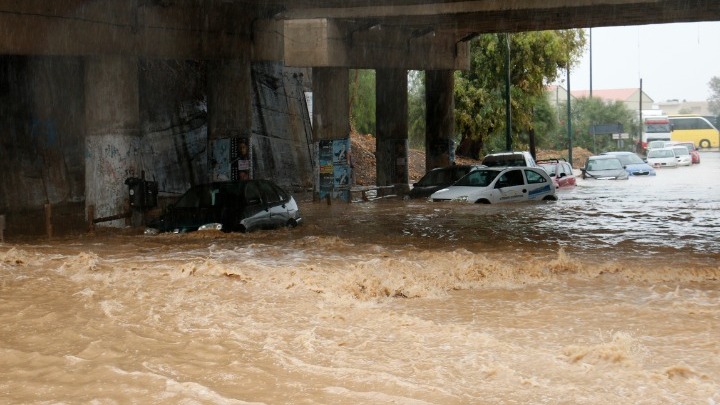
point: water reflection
(676, 211)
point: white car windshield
(478, 178)
(661, 153)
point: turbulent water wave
(582, 301)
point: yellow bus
(695, 129)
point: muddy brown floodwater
(608, 296)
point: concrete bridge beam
(327, 43)
(112, 119)
(391, 132)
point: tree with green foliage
(416, 109)
(536, 58)
(362, 101)
(586, 112)
(714, 100)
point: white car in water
(662, 157)
(494, 185)
(682, 155)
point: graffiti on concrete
(110, 160)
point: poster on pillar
(220, 159)
(230, 159)
(240, 159)
(335, 172)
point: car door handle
(524, 191)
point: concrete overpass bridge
(105, 39)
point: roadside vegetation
(536, 59)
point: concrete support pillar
(439, 119)
(229, 119)
(331, 132)
(391, 130)
(112, 124)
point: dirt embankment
(363, 155)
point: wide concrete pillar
(112, 124)
(229, 120)
(439, 118)
(391, 128)
(331, 132)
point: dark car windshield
(603, 164)
(478, 178)
(435, 177)
(209, 195)
(447, 175)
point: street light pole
(508, 110)
(569, 117)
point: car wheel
(291, 223)
(704, 144)
(482, 201)
(550, 198)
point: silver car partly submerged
(494, 185)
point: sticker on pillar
(325, 159)
(342, 177)
(220, 159)
(341, 147)
(240, 155)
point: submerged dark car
(238, 206)
(604, 167)
(439, 178)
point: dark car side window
(511, 178)
(269, 193)
(252, 194)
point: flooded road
(608, 296)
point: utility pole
(508, 110)
(569, 117)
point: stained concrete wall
(42, 133)
(42, 136)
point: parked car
(694, 153)
(242, 206)
(505, 159)
(656, 144)
(682, 154)
(661, 157)
(559, 171)
(604, 167)
(633, 163)
(493, 185)
(438, 178)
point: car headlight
(463, 198)
(151, 231)
(214, 226)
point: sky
(674, 61)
